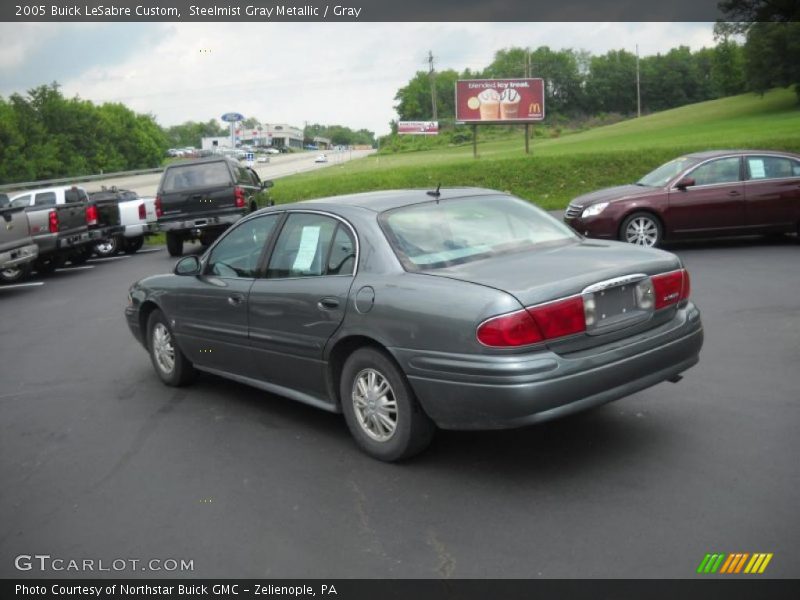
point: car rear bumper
(498, 392)
(200, 222)
(18, 256)
(104, 233)
(140, 229)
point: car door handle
(235, 299)
(328, 303)
(734, 193)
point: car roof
(199, 161)
(736, 152)
(388, 199)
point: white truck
(137, 216)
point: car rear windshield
(185, 177)
(664, 174)
(436, 235)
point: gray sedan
(407, 310)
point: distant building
(267, 134)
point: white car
(321, 159)
(272, 151)
(262, 158)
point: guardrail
(28, 185)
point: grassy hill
(561, 168)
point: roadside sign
(232, 117)
(499, 100)
(418, 128)
(250, 158)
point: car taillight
(239, 194)
(159, 211)
(142, 212)
(670, 288)
(514, 329)
(560, 318)
(52, 220)
(534, 324)
(91, 215)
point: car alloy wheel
(642, 231)
(163, 350)
(375, 405)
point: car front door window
(302, 248)
(239, 253)
(722, 170)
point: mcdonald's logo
(534, 108)
(735, 563)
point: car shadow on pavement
(596, 439)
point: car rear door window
(771, 167)
(721, 170)
(21, 201)
(239, 252)
(303, 246)
(45, 199)
(342, 256)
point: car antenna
(436, 193)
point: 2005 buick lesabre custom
(406, 310)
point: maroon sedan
(732, 192)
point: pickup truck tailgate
(13, 227)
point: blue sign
(232, 117)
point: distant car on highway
(272, 151)
(262, 158)
(706, 194)
(405, 310)
(322, 158)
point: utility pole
(433, 85)
(527, 75)
(638, 87)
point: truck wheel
(380, 409)
(107, 247)
(174, 244)
(15, 274)
(169, 362)
(133, 245)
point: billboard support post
(527, 138)
(474, 141)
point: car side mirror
(685, 183)
(188, 265)
(268, 183)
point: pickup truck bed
(17, 248)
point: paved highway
(99, 460)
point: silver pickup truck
(17, 248)
(57, 218)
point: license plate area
(615, 304)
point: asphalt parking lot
(99, 460)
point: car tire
(170, 363)
(642, 229)
(133, 245)
(106, 248)
(15, 274)
(174, 244)
(389, 427)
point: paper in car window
(309, 239)
(756, 168)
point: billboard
(418, 127)
(499, 100)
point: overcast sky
(343, 73)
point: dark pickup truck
(17, 249)
(57, 219)
(103, 219)
(199, 199)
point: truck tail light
(671, 288)
(534, 324)
(159, 210)
(91, 214)
(52, 221)
(142, 212)
(239, 194)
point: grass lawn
(559, 169)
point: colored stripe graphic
(734, 563)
